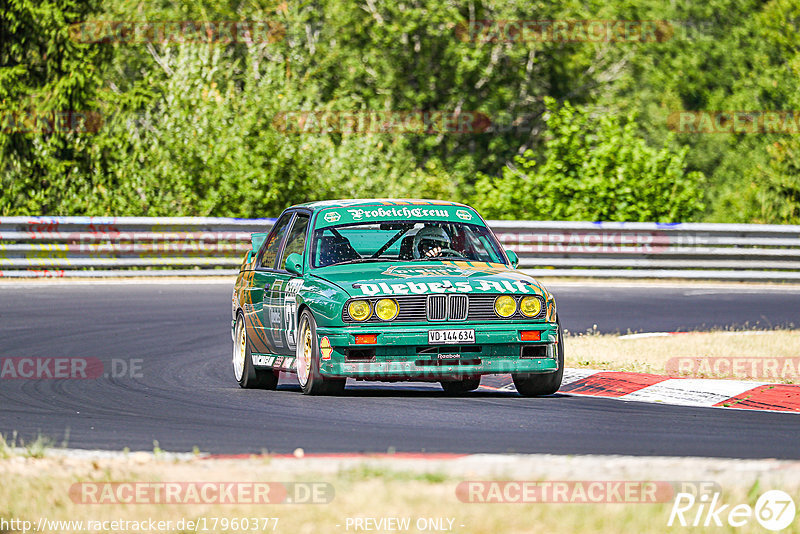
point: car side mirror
(294, 263)
(513, 258)
(256, 239)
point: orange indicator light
(531, 335)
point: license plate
(451, 336)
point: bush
(593, 167)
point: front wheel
(243, 369)
(311, 381)
(533, 385)
(459, 387)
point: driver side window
(269, 251)
(297, 239)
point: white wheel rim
(304, 354)
(239, 350)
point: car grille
(444, 307)
(459, 307)
(437, 307)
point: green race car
(390, 290)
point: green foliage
(780, 183)
(38, 448)
(43, 71)
(6, 447)
(188, 129)
(593, 167)
(773, 194)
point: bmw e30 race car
(390, 290)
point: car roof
(358, 202)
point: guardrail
(191, 246)
(654, 250)
(124, 246)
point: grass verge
(768, 355)
(44, 487)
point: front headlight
(530, 306)
(505, 306)
(359, 310)
(386, 309)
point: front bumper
(403, 352)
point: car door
(257, 318)
(285, 286)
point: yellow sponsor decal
(325, 348)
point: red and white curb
(643, 387)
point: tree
(593, 167)
(48, 81)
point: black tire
(251, 378)
(534, 385)
(459, 387)
(315, 383)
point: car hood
(410, 278)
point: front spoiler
(399, 370)
(396, 356)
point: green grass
(368, 472)
(38, 447)
(375, 488)
(16, 446)
(6, 448)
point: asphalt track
(184, 396)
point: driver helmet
(428, 238)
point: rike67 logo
(774, 510)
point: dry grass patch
(712, 354)
(39, 487)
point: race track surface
(185, 395)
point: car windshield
(404, 241)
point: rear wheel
(243, 370)
(459, 387)
(307, 358)
(533, 385)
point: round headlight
(386, 309)
(359, 310)
(530, 306)
(505, 306)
